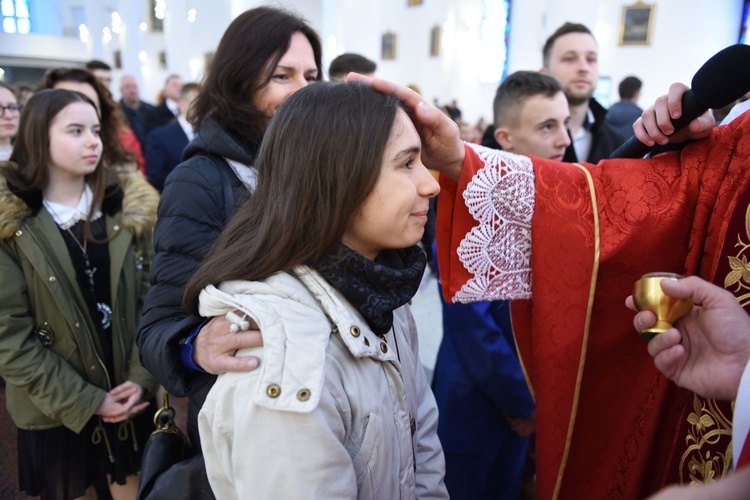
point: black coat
(137, 119)
(604, 138)
(199, 197)
(158, 116)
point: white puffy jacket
(333, 411)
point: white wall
(686, 34)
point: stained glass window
(15, 15)
(494, 31)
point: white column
(177, 38)
(130, 42)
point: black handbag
(169, 468)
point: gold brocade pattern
(707, 422)
(707, 425)
(739, 276)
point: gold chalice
(648, 296)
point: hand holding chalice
(648, 296)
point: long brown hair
(28, 166)
(243, 64)
(319, 160)
(111, 116)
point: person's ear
(504, 138)
(543, 70)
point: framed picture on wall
(636, 24)
(388, 49)
(436, 34)
(208, 57)
(411, 3)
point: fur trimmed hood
(137, 199)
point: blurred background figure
(621, 115)
(571, 56)
(743, 104)
(469, 133)
(167, 110)
(348, 62)
(23, 92)
(102, 71)
(165, 144)
(453, 110)
(136, 111)
(11, 111)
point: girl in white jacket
(323, 258)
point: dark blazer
(164, 147)
(158, 116)
(604, 140)
(137, 119)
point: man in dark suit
(136, 110)
(571, 56)
(167, 110)
(164, 144)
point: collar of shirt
(186, 127)
(172, 106)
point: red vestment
(608, 424)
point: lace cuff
(497, 252)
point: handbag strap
(164, 418)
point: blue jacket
(478, 383)
(163, 148)
(621, 116)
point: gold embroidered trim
(708, 424)
(584, 345)
(740, 268)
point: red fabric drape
(608, 424)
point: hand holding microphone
(655, 127)
(721, 80)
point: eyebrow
(406, 152)
(291, 68)
(81, 125)
(575, 51)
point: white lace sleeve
(497, 252)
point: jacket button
(355, 331)
(52, 279)
(303, 394)
(273, 391)
(78, 325)
(19, 233)
(92, 368)
(384, 347)
(116, 227)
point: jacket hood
(214, 140)
(137, 199)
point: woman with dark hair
(324, 258)
(75, 247)
(265, 55)
(10, 111)
(121, 147)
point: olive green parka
(50, 355)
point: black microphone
(721, 80)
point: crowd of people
(253, 243)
